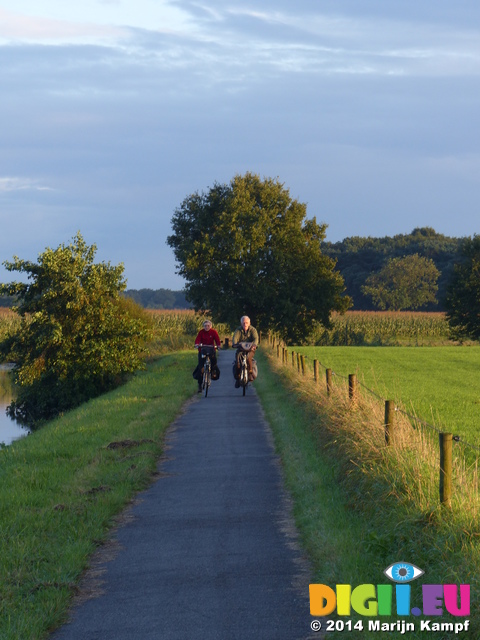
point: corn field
(9, 322)
(378, 328)
(177, 329)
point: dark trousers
(250, 355)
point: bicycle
(242, 349)
(207, 351)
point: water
(10, 430)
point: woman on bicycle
(207, 336)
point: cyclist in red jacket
(207, 336)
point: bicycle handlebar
(244, 347)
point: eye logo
(403, 572)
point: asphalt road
(209, 551)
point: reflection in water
(10, 430)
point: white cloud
(8, 184)
(25, 28)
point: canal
(10, 430)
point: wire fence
(446, 438)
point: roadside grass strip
(63, 485)
(360, 505)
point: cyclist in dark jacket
(244, 333)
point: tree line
(359, 259)
(158, 298)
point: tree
(78, 337)
(403, 283)
(463, 294)
(247, 248)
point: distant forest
(357, 258)
(158, 298)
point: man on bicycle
(244, 333)
(207, 336)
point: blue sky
(113, 111)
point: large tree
(248, 248)
(403, 283)
(463, 294)
(78, 336)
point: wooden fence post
(293, 358)
(389, 415)
(315, 370)
(302, 362)
(298, 362)
(329, 381)
(278, 351)
(352, 386)
(446, 469)
(226, 343)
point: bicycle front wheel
(206, 381)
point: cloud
(18, 27)
(8, 184)
(368, 116)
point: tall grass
(394, 490)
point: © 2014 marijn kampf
(377, 600)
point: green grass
(63, 486)
(440, 385)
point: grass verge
(63, 486)
(361, 506)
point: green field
(441, 385)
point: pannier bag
(197, 373)
(215, 373)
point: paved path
(209, 551)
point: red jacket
(207, 337)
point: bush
(77, 338)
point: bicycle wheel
(207, 376)
(244, 378)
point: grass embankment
(63, 486)
(359, 505)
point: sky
(112, 112)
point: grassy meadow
(439, 385)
